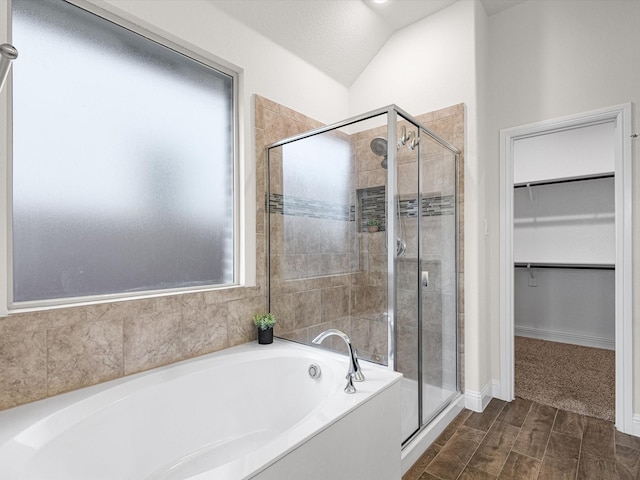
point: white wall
(555, 58)
(574, 153)
(424, 67)
(566, 305)
(570, 222)
(435, 63)
(265, 69)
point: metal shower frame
(393, 112)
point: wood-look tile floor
(527, 440)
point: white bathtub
(247, 412)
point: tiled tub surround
(315, 240)
(317, 283)
(46, 353)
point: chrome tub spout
(355, 372)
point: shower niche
(393, 291)
(371, 207)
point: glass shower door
(438, 279)
(405, 249)
(425, 266)
(326, 224)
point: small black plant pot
(265, 336)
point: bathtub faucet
(355, 372)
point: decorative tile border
(371, 203)
(432, 206)
(302, 207)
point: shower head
(8, 53)
(379, 147)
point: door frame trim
(620, 115)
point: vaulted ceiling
(339, 37)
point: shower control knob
(314, 371)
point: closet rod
(566, 180)
(576, 266)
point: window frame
(180, 47)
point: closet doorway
(565, 232)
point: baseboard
(477, 401)
(496, 390)
(635, 425)
(563, 337)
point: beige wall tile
(240, 320)
(283, 307)
(315, 330)
(84, 354)
(427, 118)
(23, 363)
(297, 336)
(44, 319)
(108, 311)
(308, 306)
(204, 329)
(335, 303)
(261, 263)
(152, 340)
(226, 295)
(378, 335)
(368, 300)
(407, 350)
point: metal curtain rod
(576, 266)
(566, 180)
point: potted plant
(373, 225)
(265, 323)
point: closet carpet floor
(526, 440)
(570, 377)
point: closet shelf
(561, 180)
(575, 266)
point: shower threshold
(443, 405)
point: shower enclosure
(362, 223)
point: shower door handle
(425, 278)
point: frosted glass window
(123, 160)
